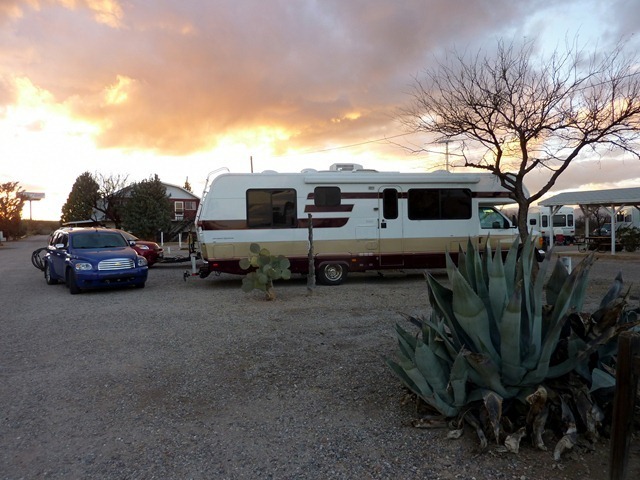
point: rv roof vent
(269, 171)
(345, 167)
(308, 170)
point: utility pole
(446, 152)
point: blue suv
(89, 258)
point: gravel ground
(199, 380)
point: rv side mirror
(514, 220)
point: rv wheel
(332, 273)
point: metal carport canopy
(613, 200)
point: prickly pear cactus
(265, 268)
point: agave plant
(491, 348)
(265, 268)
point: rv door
(390, 227)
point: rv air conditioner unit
(345, 167)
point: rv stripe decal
(336, 208)
(369, 195)
(242, 224)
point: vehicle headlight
(143, 247)
(142, 262)
(83, 266)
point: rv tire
(332, 273)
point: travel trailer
(361, 219)
(564, 226)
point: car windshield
(98, 240)
(128, 236)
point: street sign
(33, 196)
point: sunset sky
(180, 88)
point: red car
(149, 250)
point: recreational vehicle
(563, 223)
(361, 219)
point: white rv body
(564, 223)
(362, 219)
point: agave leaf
(414, 380)
(401, 373)
(574, 360)
(493, 404)
(497, 285)
(437, 325)
(472, 265)
(437, 343)
(510, 349)
(601, 379)
(435, 372)
(458, 380)
(462, 259)
(424, 389)
(551, 337)
(471, 313)
(532, 330)
(406, 342)
(527, 264)
(443, 299)
(485, 374)
(487, 260)
(614, 291)
(580, 291)
(510, 266)
(554, 285)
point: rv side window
(390, 203)
(326, 196)
(559, 220)
(570, 220)
(439, 204)
(271, 208)
(533, 222)
(545, 220)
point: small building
(184, 208)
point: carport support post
(552, 212)
(613, 229)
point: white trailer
(362, 219)
(562, 225)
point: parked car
(90, 258)
(153, 252)
(605, 230)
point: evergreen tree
(148, 209)
(82, 200)
(11, 203)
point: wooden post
(311, 276)
(627, 371)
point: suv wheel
(47, 275)
(72, 283)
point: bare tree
(112, 193)
(514, 113)
(597, 216)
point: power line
(342, 147)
